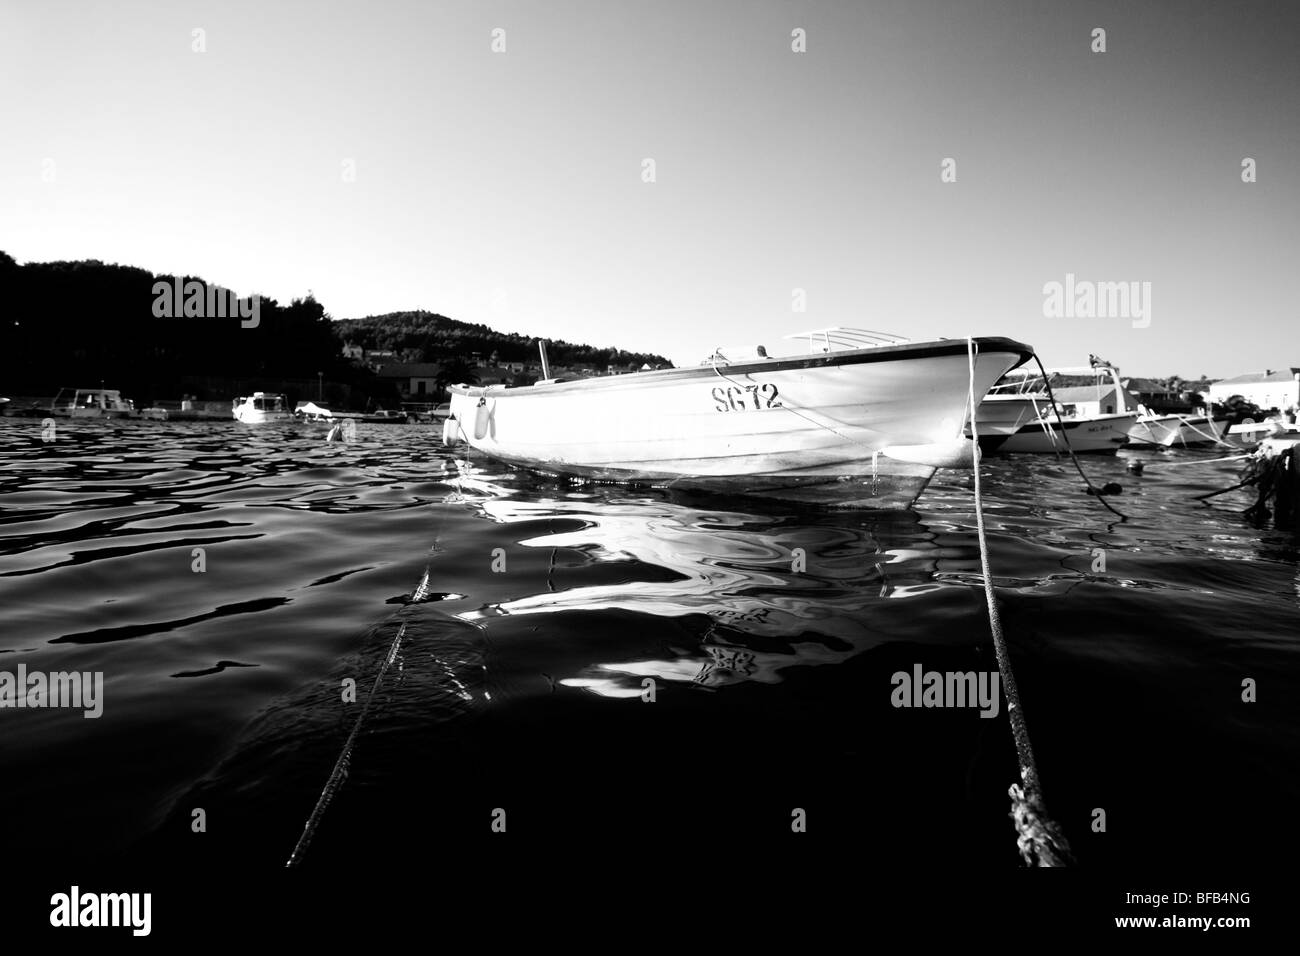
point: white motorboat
(1001, 415)
(1090, 423)
(860, 407)
(1176, 431)
(1094, 434)
(1161, 429)
(92, 403)
(262, 407)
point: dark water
(521, 688)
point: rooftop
(1280, 375)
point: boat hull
(775, 425)
(254, 417)
(1001, 416)
(1102, 434)
(98, 413)
(1177, 431)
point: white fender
(482, 414)
(450, 430)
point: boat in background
(92, 403)
(314, 412)
(385, 416)
(999, 416)
(1176, 431)
(262, 407)
(1151, 429)
(868, 412)
(1089, 424)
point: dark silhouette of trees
(80, 323)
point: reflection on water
(533, 613)
(772, 589)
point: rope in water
(1092, 489)
(1039, 838)
(340, 771)
(1198, 461)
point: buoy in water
(450, 430)
(1135, 466)
(1109, 488)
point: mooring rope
(1039, 838)
(340, 772)
(1196, 461)
(1098, 493)
(1187, 423)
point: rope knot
(1040, 840)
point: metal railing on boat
(837, 337)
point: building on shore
(1278, 389)
(417, 380)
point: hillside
(81, 323)
(428, 337)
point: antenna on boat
(546, 366)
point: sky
(385, 157)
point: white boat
(1094, 434)
(262, 407)
(1251, 433)
(93, 403)
(1091, 421)
(1159, 429)
(863, 408)
(313, 412)
(1001, 415)
(1176, 431)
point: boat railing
(837, 338)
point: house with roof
(1272, 388)
(413, 379)
(1087, 400)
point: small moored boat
(1091, 421)
(861, 407)
(92, 403)
(262, 407)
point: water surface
(534, 615)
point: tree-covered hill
(78, 323)
(428, 337)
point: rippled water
(770, 632)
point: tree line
(77, 324)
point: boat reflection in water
(766, 587)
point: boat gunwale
(884, 353)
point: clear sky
(507, 188)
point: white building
(1278, 389)
(1090, 400)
